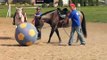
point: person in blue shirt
(76, 25)
(36, 21)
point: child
(36, 21)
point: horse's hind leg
(57, 32)
(52, 31)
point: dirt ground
(95, 48)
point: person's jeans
(79, 32)
(39, 32)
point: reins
(65, 30)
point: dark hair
(38, 8)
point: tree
(97, 2)
(60, 3)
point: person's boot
(39, 37)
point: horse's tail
(83, 25)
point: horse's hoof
(48, 42)
(60, 42)
(13, 23)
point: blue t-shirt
(37, 19)
(37, 15)
(74, 16)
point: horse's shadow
(56, 44)
(13, 45)
(10, 45)
(61, 44)
(6, 38)
(39, 44)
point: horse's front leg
(13, 21)
(52, 31)
(57, 32)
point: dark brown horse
(55, 19)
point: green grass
(92, 14)
(96, 13)
(30, 11)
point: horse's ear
(21, 8)
(16, 7)
(65, 10)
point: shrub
(3, 3)
(51, 4)
(60, 3)
(44, 5)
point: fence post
(9, 11)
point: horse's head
(19, 17)
(65, 11)
(63, 15)
(19, 12)
(62, 12)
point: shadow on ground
(6, 38)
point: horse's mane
(64, 10)
(47, 12)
